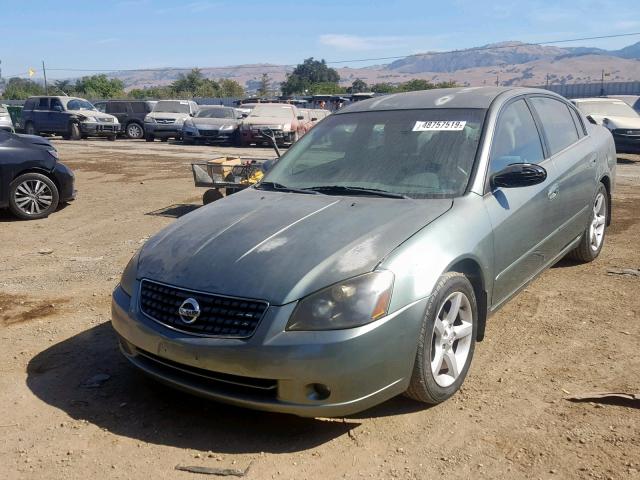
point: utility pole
(44, 72)
(497, 80)
(547, 81)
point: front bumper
(627, 143)
(65, 180)
(163, 130)
(208, 135)
(99, 129)
(277, 370)
(253, 136)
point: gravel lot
(576, 329)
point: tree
(358, 86)
(63, 87)
(21, 88)
(195, 84)
(99, 86)
(264, 90)
(383, 88)
(415, 85)
(307, 74)
(230, 88)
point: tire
(164, 139)
(211, 196)
(30, 129)
(187, 141)
(22, 202)
(149, 138)
(134, 131)
(458, 336)
(112, 138)
(593, 237)
(74, 131)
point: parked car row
(76, 118)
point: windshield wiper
(346, 190)
(282, 188)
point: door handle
(553, 191)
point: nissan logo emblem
(189, 311)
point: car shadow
(131, 405)
(7, 217)
(567, 262)
(627, 161)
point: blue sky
(126, 34)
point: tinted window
(116, 107)
(56, 103)
(139, 107)
(43, 104)
(516, 139)
(558, 125)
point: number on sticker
(439, 125)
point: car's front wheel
(592, 239)
(447, 340)
(33, 196)
(134, 131)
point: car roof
(464, 97)
(597, 99)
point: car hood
(267, 121)
(280, 247)
(215, 121)
(168, 115)
(93, 113)
(614, 122)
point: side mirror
(314, 119)
(244, 115)
(300, 117)
(519, 175)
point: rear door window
(139, 107)
(559, 127)
(43, 104)
(116, 107)
(516, 139)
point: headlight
(347, 304)
(128, 280)
(226, 128)
(149, 119)
(54, 154)
(90, 119)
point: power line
(357, 60)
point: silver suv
(167, 118)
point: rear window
(557, 123)
(116, 107)
(140, 107)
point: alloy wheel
(451, 339)
(596, 229)
(134, 131)
(33, 197)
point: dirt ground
(575, 329)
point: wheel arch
(41, 171)
(606, 181)
(471, 268)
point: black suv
(71, 117)
(130, 114)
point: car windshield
(77, 104)
(216, 113)
(427, 153)
(172, 106)
(277, 111)
(615, 109)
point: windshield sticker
(438, 125)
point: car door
(518, 215)
(41, 115)
(57, 116)
(575, 162)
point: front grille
(165, 121)
(220, 316)
(215, 382)
(208, 133)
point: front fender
(463, 233)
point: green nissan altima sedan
(369, 258)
